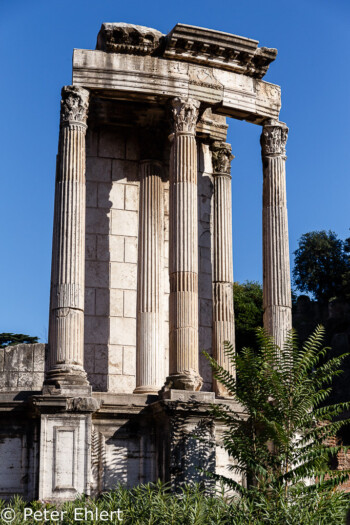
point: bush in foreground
(280, 442)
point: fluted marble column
(223, 313)
(183, 249)
(150, 348)
(66, 337)
(276, 270)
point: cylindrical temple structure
(277, 299)
(66, 337)
(150, 352)
(223, 312)
(183, 252)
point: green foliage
(278, 439)
(322, 265)
(154, 504)
(151, 504)
(248, 303)
(9, 339)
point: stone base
(65, 456)
(88, 445)
(185, 437)
(67, 381)
(186, 380)
(146, 390)
(188, 396)
(67, 389)
(65, 445)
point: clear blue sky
(36, 42)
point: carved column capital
(74, 105)
(274, 138)
(221, 157)
(185, 114)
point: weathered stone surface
(183, 256)
(223, 312)
(66, 327)
(150, 373)
(65, 453)
(141, 239)
(128, 38)
(238, 95)
(23, 367)
(277, 299)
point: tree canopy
(9, 339)
(322, 265)
(248, 303)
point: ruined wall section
(22, 367)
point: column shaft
(150, 355)
(183, 250)
(223, 312)
(276, 269)
(66, 338)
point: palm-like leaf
(281, 437)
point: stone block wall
(111, 259)
(112, 203)
(22, 367)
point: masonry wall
(21, 375)
(112, 203)
(22, 367)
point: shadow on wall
(205, 306)
(176, 446)
(97, 261)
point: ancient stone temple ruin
(142, 272)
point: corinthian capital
(222, 156)
(274, 138)
(74, 104)
(185, 113)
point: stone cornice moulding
(188, 43)
(152, 78)
(218, 49)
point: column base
(147, 389)
(186, 380)
(68, 380)
(65, 446)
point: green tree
(9, 339)
(248, 304)
(278, 439)
(321, 264)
